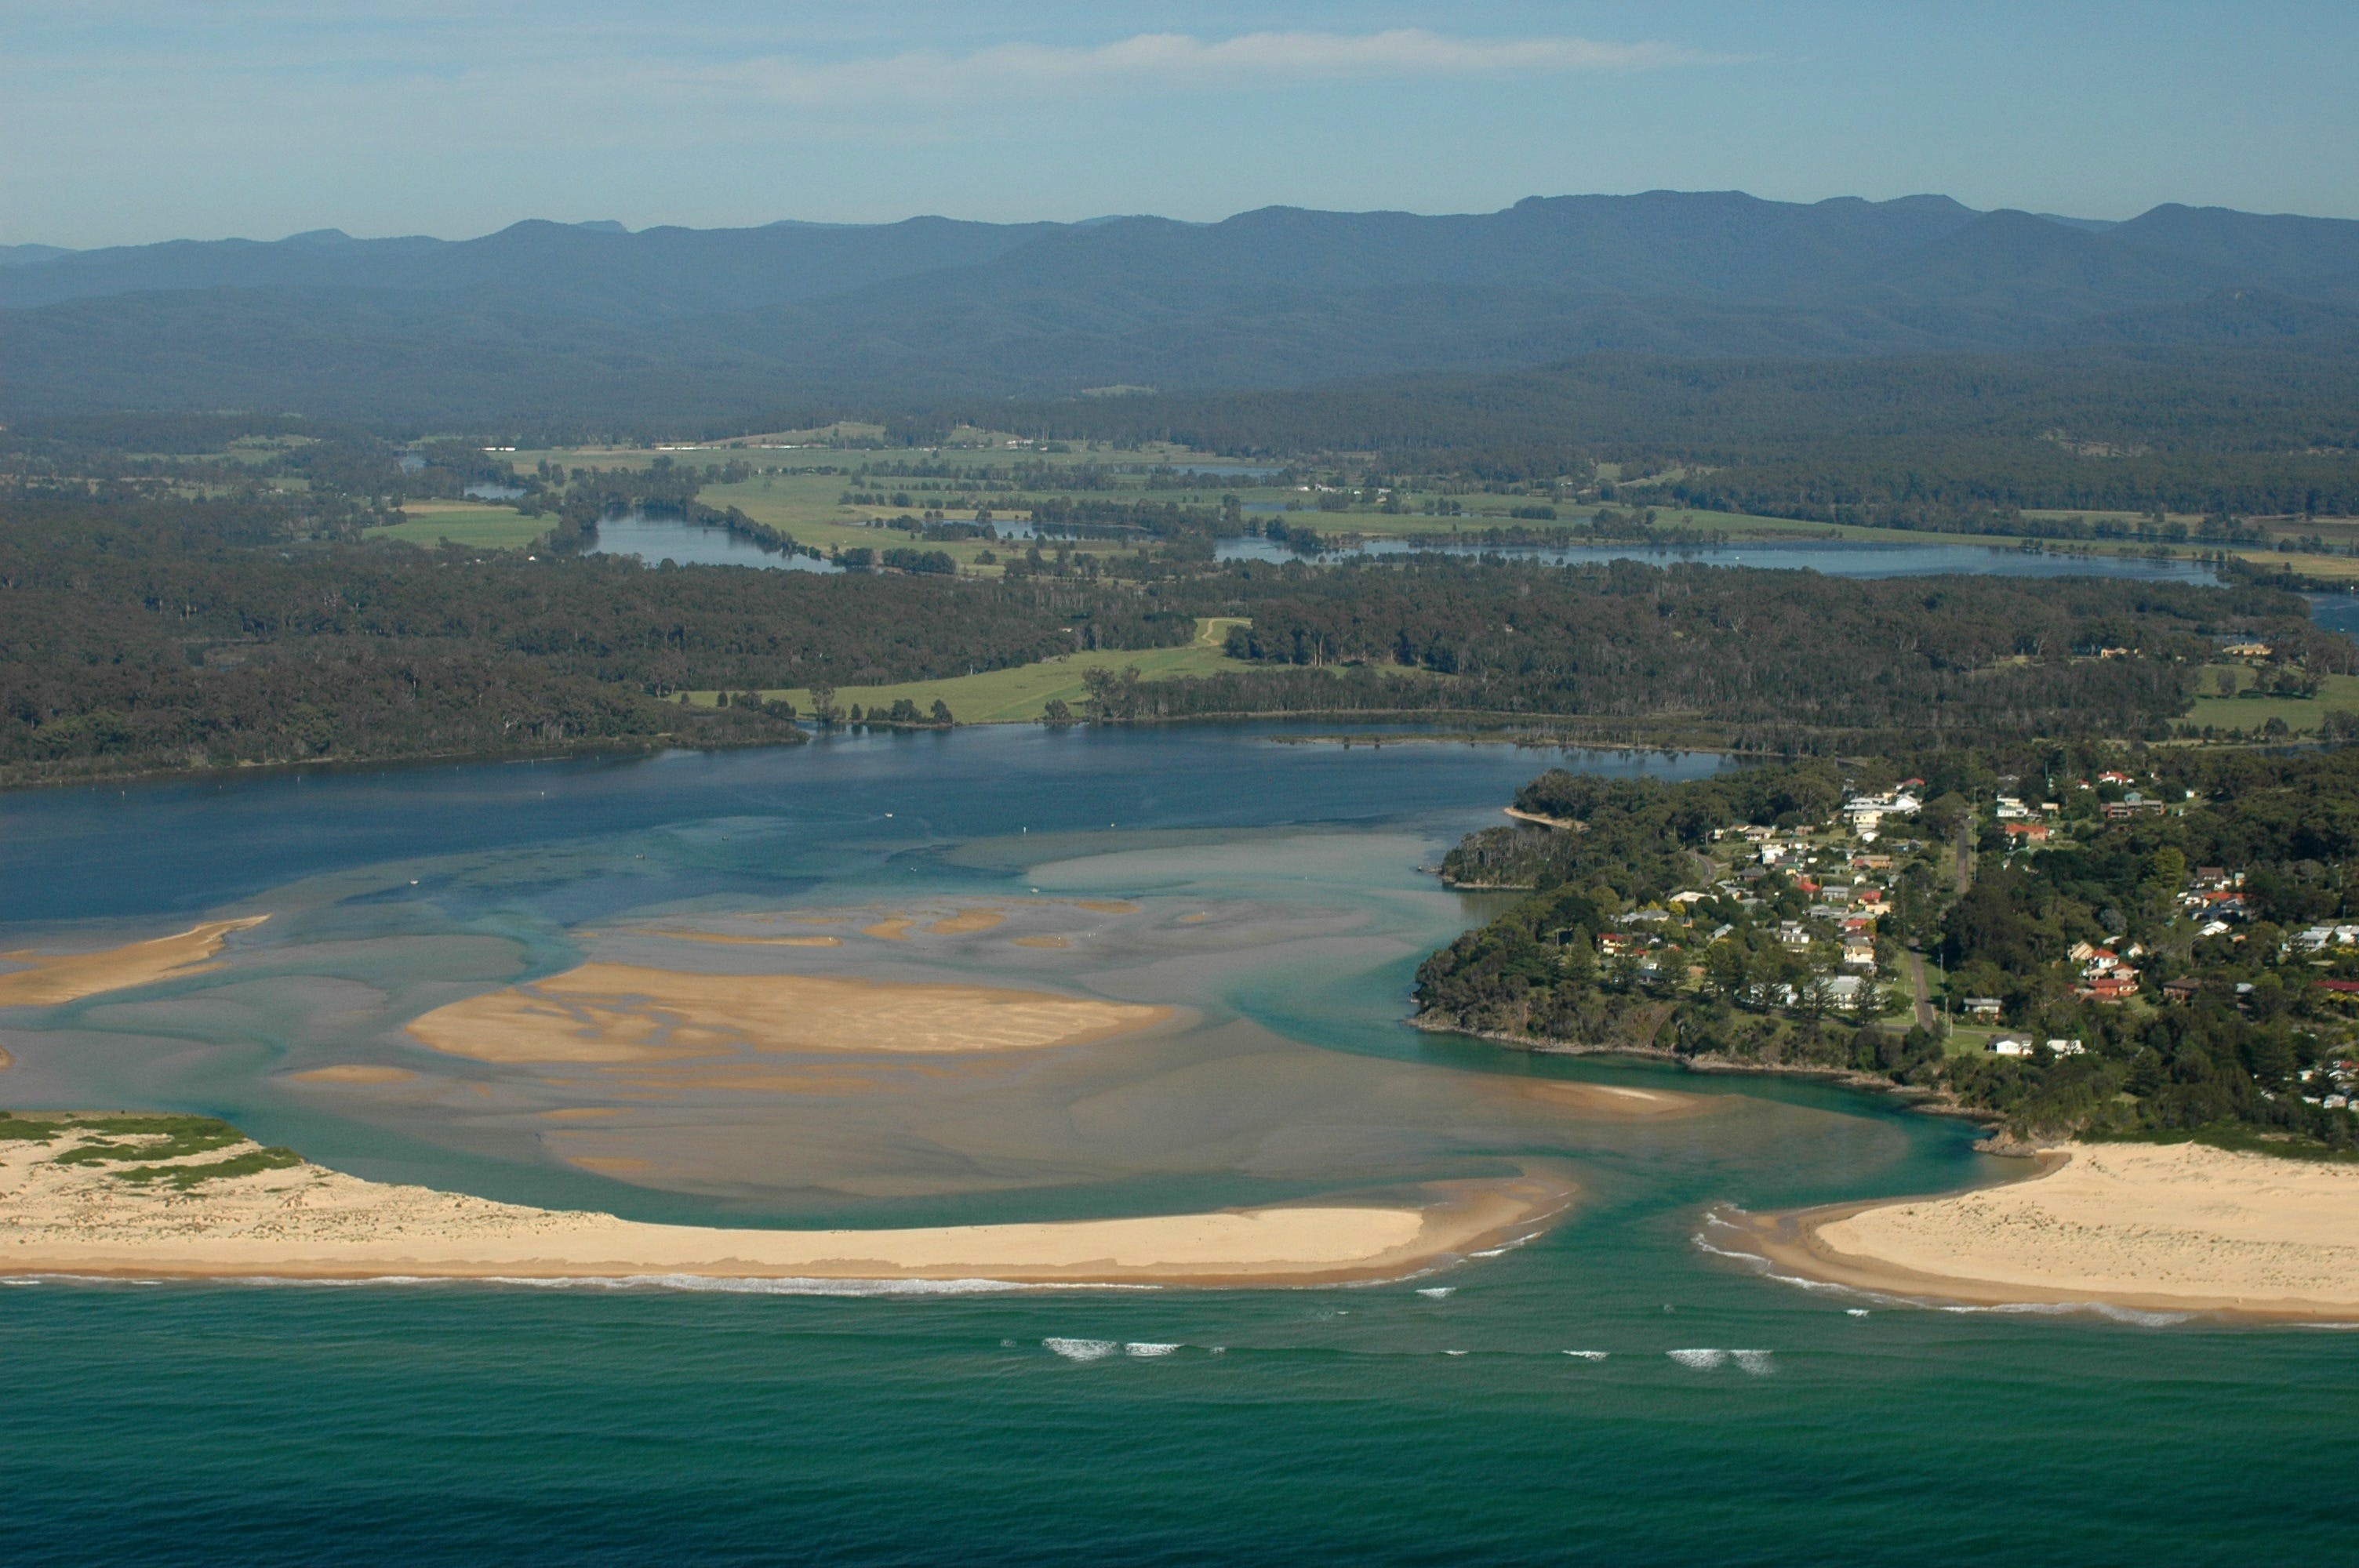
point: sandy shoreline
(2158, 1228)
(307, 1222)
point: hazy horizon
(139, 122)
(616, 224)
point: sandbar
(730, 939)
(54, 978)
(967, 921)
(303, 1221)
(620, 1012)
(1615, 1099)
(2178, 1228)
(354, 1072)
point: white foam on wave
(1701, 1360)
(1081, 1349)
(1588, 1354)
(1754, 1361)
(2060, 1309)
(1854, 1312)
(1439, 1293)
(1760, 1265)
(1147, 1349)
(1453, 1353)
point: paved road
(1924, 992)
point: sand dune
(2178, 1227)
(53, 978)
(310, 1223)
(618, 1012)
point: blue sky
(129, 121)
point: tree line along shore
(234, 606)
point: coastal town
(1975, 941)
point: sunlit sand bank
(1616, 1100)
(2176, 1228)
(354, 1072)
(302, 1221)
(621, 1013)
(49, 979)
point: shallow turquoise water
(471, 1424)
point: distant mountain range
(549, 320)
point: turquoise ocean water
(1729, 1419)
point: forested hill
(568, 319)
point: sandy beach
(48, 979)
(620, 1012)
(2181, 1228)
(302, 1221)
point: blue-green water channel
(477, 1423)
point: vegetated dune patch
(228, 1208)
(53, 978)
(621, 1013)
(2152, 1227)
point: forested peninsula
(2067, 940)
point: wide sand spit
(2178, 1228)
(47, 980)
(305, 1222)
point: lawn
(2301, 713)
(1021, 694)
(480, 527)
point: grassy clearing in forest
(1021, 694)
(2335, 694)
(428, 523)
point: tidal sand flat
(48, 979)
(622, 1012)
(190, 1197)
(2165, 1229)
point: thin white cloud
(1176, 60)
